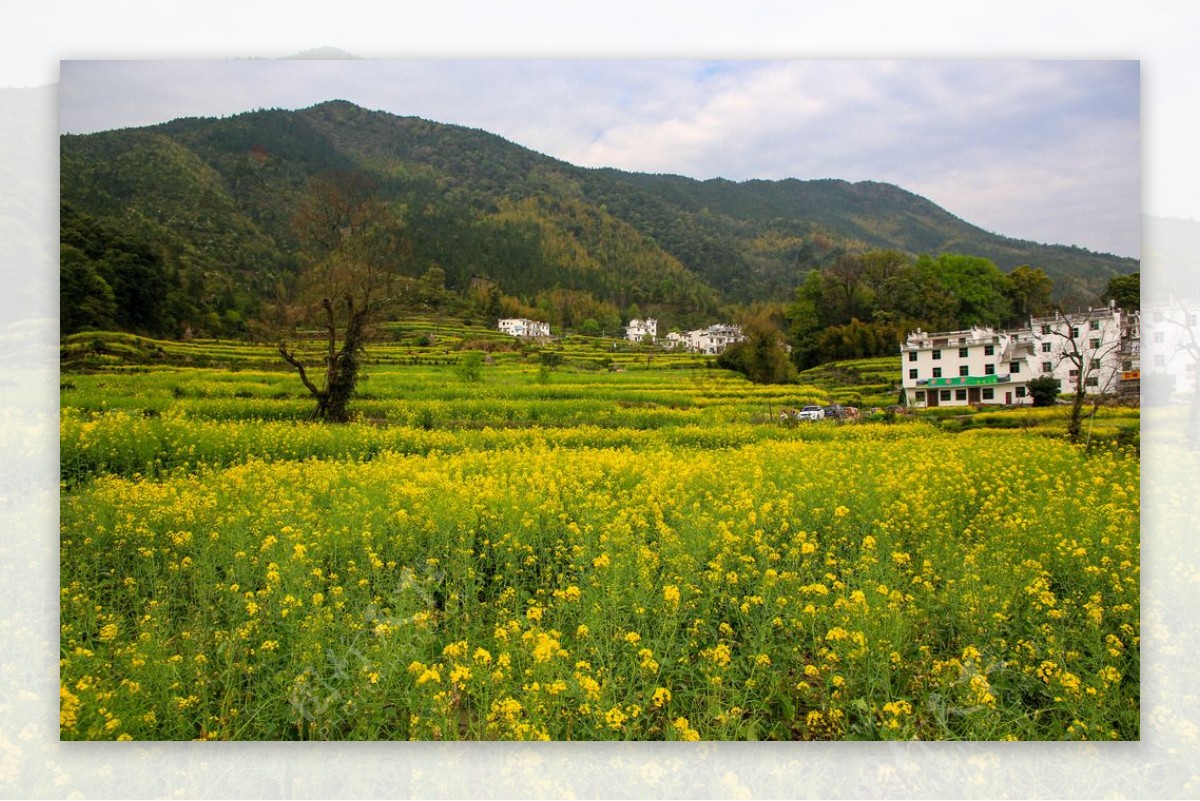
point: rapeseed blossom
(849, 579)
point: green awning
(964, 381)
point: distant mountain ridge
(217, 196)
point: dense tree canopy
(114, 279)
(762, 355)
(861, 306)
(1126, 290)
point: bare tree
(1186, 345)
(351, 246)
(1087, 344)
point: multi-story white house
(1171, 350)
(983, 366)
(638, 330)
(1096, 344)
(522, 327)
(961, 368)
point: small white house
(638, 330)
(677, 341)
(522, 327)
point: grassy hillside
(217, 198)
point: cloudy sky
(1041, 150)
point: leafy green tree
(470, 366)
(113, 278)
(1044, 389)
(846, 290)
(1030, 293)
(86, 301)
(804, 321)
(762, 356)
(1126, 290)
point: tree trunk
(341, 365)
(1075, 424)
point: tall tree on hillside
(351, 244)
(1030, 292)
(762, 355)
(1126, 290)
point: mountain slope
(217, 196)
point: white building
(961, 368)
(711, 341)
(522, 327)
(1097, 343)
(983, 366)
(715, 339)
(642, 330)
(1171, 348)
(677, 341)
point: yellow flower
(614, 718)
(685, 730)
(662, 697)
(68, 709)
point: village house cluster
(522, 327)
(985, 366)
(711, 340)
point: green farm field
(628, 546)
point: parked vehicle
(812, 413)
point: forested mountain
(210, 204)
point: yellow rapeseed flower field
(876, 582)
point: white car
(812, 413)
